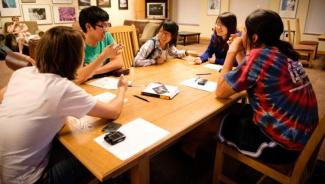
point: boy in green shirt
(101, 53)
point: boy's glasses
(103, 27)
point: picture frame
(213, 7)
(64, 14)
(288, 8)
(123, 4)
(156, 10)
(104, 3)
(62, 1)
(9, 8)
(84, 2)
(28, 1)
(39, 13)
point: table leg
(140, 174)
(184, 40)
(198, 38)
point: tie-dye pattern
(279, 91)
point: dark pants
(240, 129)
(63, 168)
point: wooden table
(178, 116)
(321, 37)
(183, 35)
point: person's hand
(231, 38)
(236, 44)
(111, 51)
(197, 61)
(123, 82)
(160, 60)
(31, 60)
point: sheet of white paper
(139, 133)
(213, 66)
(107, 97)
(105, 82)
(209, 86)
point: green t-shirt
(91, 53)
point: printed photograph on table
(84, 2)
(104, 3)
(123, 4)
(213, 7)
(288, 8)
(28, 1)
(39, 13)
(64, 14)
(9, 8)
(61, 1)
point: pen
(141, 98)
(203, 74)
(131, 85)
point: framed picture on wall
(64, 14)
(61, 1)
(104, 3)
(288, 8)
(213, 7)
(123, 4)
(84, 2)
(39, 13)
(28, 1)
(156, 10)
(9, 8)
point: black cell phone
(114, 137)
(111, 127)
(202, 82)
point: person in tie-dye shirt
(282, 111)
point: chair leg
(261, 179)
(218, 164)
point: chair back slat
(289, 32)
(126, 35)
(298, 32)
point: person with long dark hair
(156, 50)
(225, 25)
(282, 111)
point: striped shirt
(281, 95)
(145, 58)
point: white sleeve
(76, 102)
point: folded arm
(143, 58)
(115, 63)
(224, 90)
(86, 72)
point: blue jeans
(66, 171)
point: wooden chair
(298, 172)
(127, 36)
(304, 42)
(304, 50)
